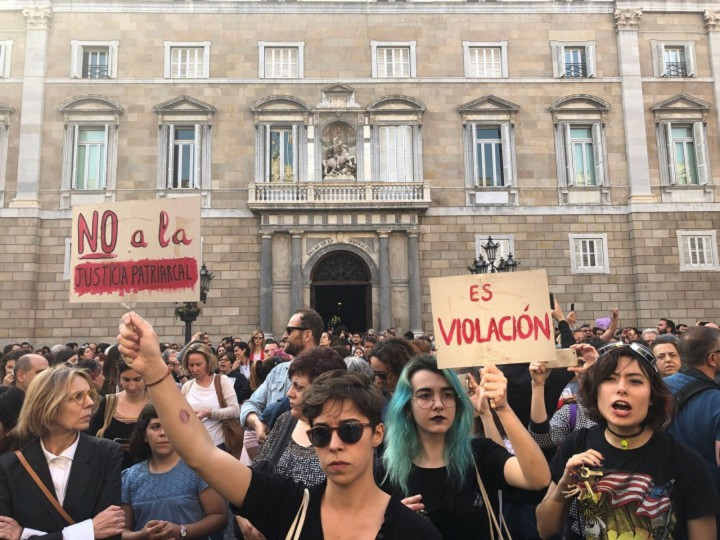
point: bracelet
(148, 385)
(533, 383)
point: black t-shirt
(458, 512)
(651, 491)
(272, 501)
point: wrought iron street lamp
(482, 266)
(188, 312)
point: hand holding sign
(494, 385)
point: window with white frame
(5, 58)
(94, 59)
(187, 60)
(396, 153)
(393, 59)
(589, 254)
(489, 141)
(488, 156)
(683, 153)
(573, 60)
(581, 154)
(485, 60)
(89, 165)
(673, 58)
(281, 60)
(90, 146)
(184, 155)
(184, 146)
(698, 250)
(281, 153)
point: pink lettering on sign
(128, 277)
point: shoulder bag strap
(299, 521)
(218, 391)
(492, 519)
(110, 405)
(44, 488)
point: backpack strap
(700, 383)
(573, 416)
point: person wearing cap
(626, 477)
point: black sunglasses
(290, 329)
(640, 352)
(349, 433)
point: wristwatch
(183, 531)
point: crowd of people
(335, 433)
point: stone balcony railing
(323, 195)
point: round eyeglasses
(425, 400)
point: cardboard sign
(136, 251)
(485, 319)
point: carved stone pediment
(579, 103)
(91, 107)
(681, 102)
(338, 96)
(488, 108)
(184, 104)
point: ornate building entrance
(340, 291)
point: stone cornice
(38, 18)
(628, 19)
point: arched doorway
(340, 288)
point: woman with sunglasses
(161, 496)
(430, 455)
(344, 412)
(626, 478)
(257, 346)
(80, 472)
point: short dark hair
(696, 343)
(369, 339)
(666, 339)
(138, 447)
(91, 366)
(409, 335)
(63, 355)
(394, 353)
(343, 385)
(315, 362)
(311, 319)
(670, 324)
(661, 399)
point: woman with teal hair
(431, 459)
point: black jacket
(93, 485)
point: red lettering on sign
(107, 234)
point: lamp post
(482, 266)
(188, 312)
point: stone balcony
(339, 195)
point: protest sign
(136, 251)
(485, 319)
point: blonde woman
(257, 346)
(57, 409)
(201, 392)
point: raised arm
(139, 344)
(528, 469)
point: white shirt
(60, 473)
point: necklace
(624, 438)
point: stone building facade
(347, 151)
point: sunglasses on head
(637, 351)
(350, 433)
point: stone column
(626, 24)
(33, 105)
(414, 283)
(266, 284)
(385, 320)
(712, 25)
(296, 278)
